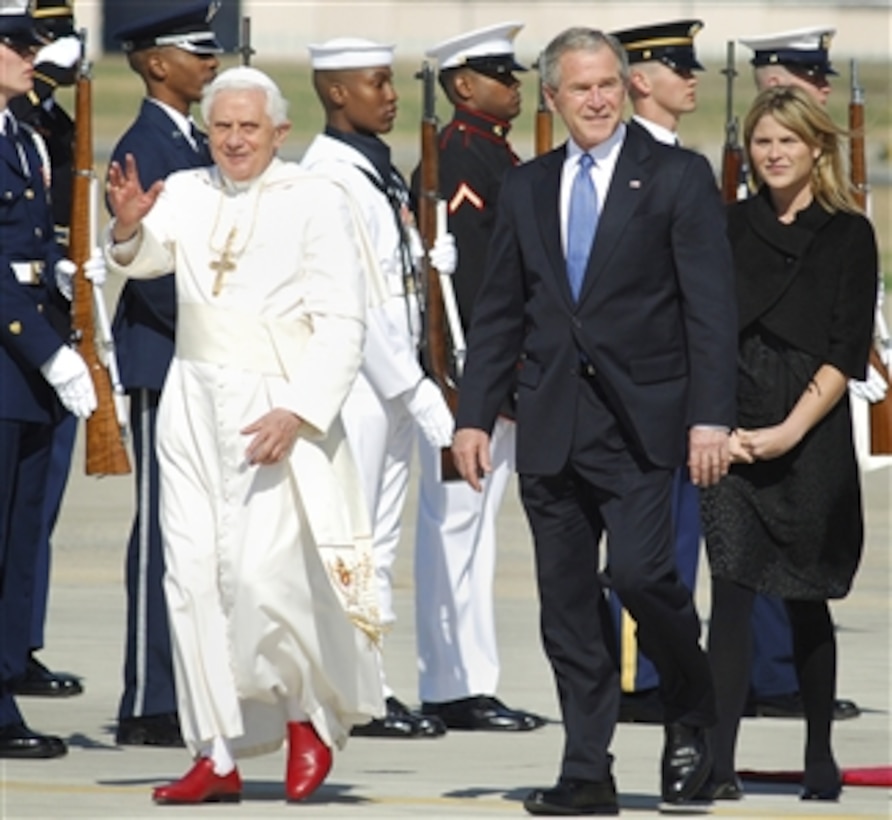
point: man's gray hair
(243, 78)
(580, 39)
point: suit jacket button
(15, 327)
(29, 194)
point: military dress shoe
(641, 707)
(574, 797)
(201, 785)
(482, 713)
(150, 730)
(400, 721)
(791, 706)
(686, 763)
(17, 740)
(41, 682)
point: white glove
(65, 270)
(94, 268)
(872, 389)
(64, 52)
(431, 413)
(444, 255)
(66, 371)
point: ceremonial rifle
(881, 411)
(544, 118)
(245, 48)
(435, 337)
(734, 171)
(106, 426)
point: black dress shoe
(41, 682)
(400, 721)
(686, 763)
(17, 740)
(720, 790)
(482, 713)
(822, 781)
(574, 797)
(150, 730)
(641, 707)
(791, 706)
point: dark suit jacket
(656, 315)
(145, 318)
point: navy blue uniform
(34, 323)
(56, 128)
(143, 330)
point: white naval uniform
(380, 429)
(264, 563)
(455, 561)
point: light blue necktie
(582, 222)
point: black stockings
(814, 655)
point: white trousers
(381, 433)
(455, 558)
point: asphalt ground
(464, 774)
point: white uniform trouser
(381, 433)
(455, 558)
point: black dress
(792, 526)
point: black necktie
(11, 133)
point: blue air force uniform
(34, 324)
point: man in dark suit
(175, 54)
(621, 338)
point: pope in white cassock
(269, 578)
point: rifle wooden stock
(732, 169)
(105, 452)
(544, 134)
(435, 344)
(880, 412)
(733, 160)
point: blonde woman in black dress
(787, 520)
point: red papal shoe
(309, 761)
(201, 785)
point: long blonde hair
(795, 110)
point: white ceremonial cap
(478, 47)
(804, 48)
(349, 52)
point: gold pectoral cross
(224, 264)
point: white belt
(243, 341)
(28, 273)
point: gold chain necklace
(227, 252)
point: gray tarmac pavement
(464, 774)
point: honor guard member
(455, 537)
(798, 58)
(55, 67)
(40, 374)
(175, 53)
(391, 396)
(662, 88)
